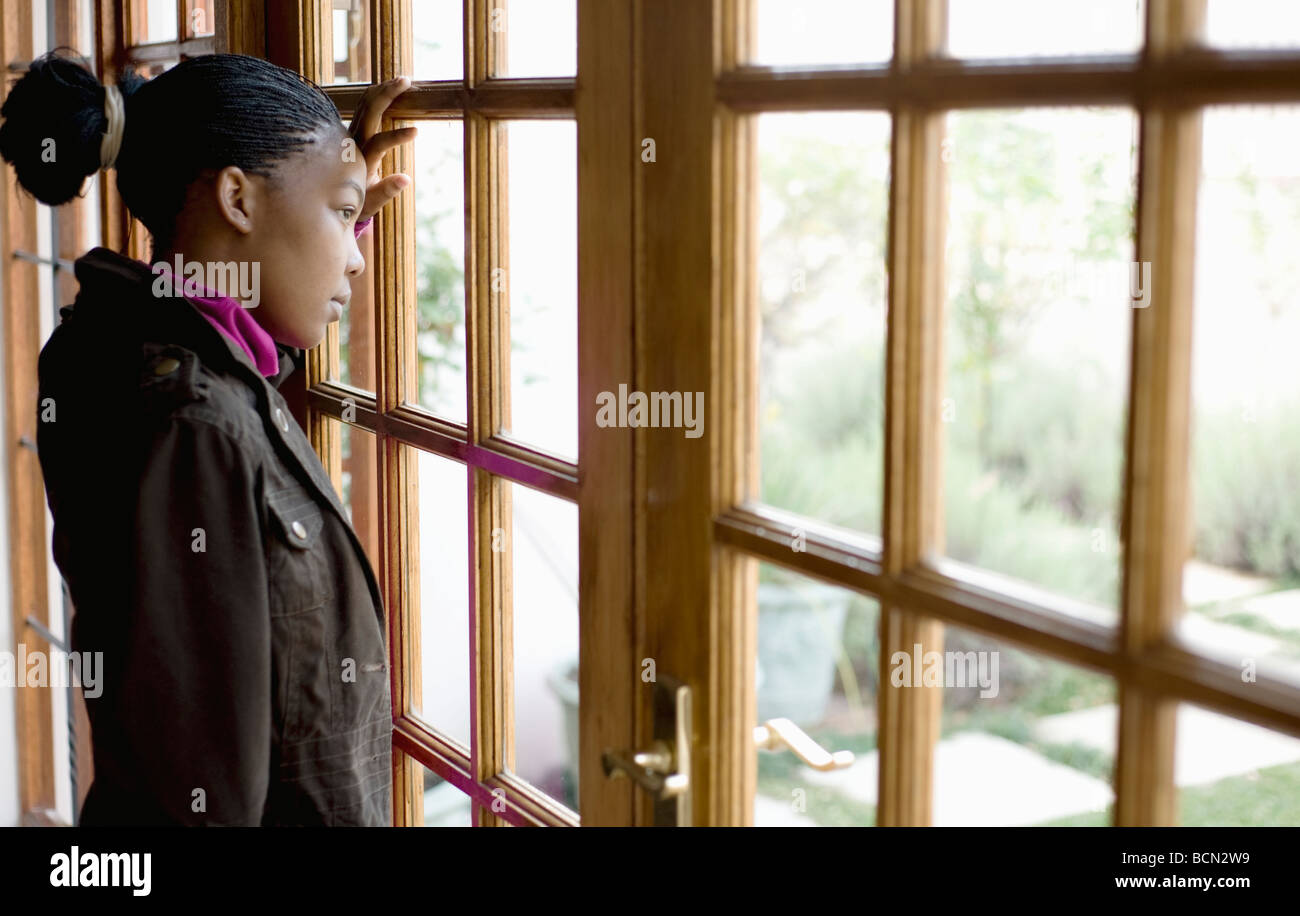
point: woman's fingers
(374, 102)
(381, 192)
(381, 143)
(375, 143)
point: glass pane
(542, 285)
(199, 19)
(357, 326)
(1242, 584)
(351, 48)
(1232, 773)
(444, 804)
(1039, 296)
(823, 32)
(818, 647)
(361, 486)
(440, 266)
(1252, 23)
(544, 567)
(443, 506)
(149, 71)
(439, 51)
(823, 203)
(1034, 28)
(153, 20)
(1026, 740)
(541, 37)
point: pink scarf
(235, 321)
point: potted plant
(800, 625)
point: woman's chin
(300, 340)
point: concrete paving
(982, 779)
(1279, 609)
(1209, 746)
(1203, 583)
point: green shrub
(1247, 501)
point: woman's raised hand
(372, 143)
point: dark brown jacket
(245, 676)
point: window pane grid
(491, 461)
(757, 531)
(1118, 83)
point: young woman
(245, 677)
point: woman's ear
(236, 198)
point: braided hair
(205, 113)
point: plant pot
(800, 629)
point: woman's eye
(347, 212)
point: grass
(1268, 797)
(1263, 798)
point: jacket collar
(108, 280)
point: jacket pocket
(360, 681)
(298, 576)
(301, 593)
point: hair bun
(54, 123)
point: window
(455, 373)
(1077, 265)
(936, 284)
(54, 760)
(949, 291)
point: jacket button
(280, 420)
(166, 366)
(299, 530)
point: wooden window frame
(29, 539)
(680, 236)
(673, 237)
(1166, 84)
(29, 553)
(186, 43)
(492, 460)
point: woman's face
(303, 236)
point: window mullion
(488, 391)
(909, 717)
(1157, 480)
(735, 580)
(394, 301)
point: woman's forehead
(326, 161)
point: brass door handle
(652, 770)
(783, 734)
(664, 769)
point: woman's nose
(356, 263)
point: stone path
(982, 779)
